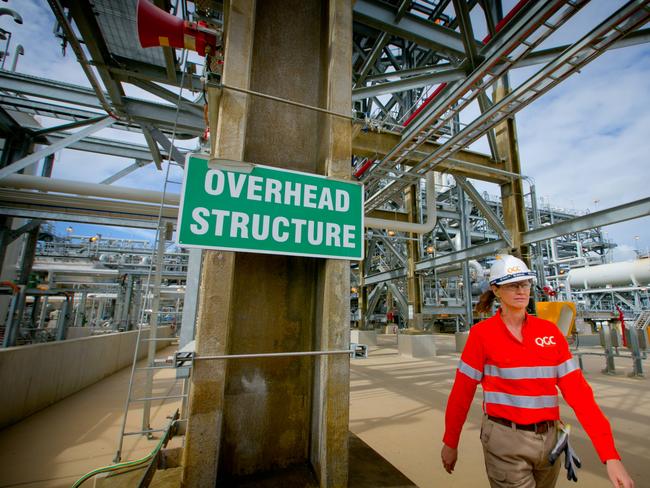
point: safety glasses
(519, 285)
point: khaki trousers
(518, 458)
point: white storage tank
(627, 273)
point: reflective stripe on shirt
(566, 367)
(467, 370)
(521, 373)
(521, 401)
(531, 372)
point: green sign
(260, 209)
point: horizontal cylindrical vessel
(627, 273)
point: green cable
(114, 467)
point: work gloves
(571, 460)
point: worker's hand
(449, 457)
(618, 475)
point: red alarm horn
(159, 28)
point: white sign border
(258, 251)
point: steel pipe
(57, 185)
(412, 226)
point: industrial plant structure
(389, 94)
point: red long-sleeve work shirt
(520, 380)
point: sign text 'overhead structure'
(254, 208)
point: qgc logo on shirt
(545, 341)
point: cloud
(588, 141)
(623, 252)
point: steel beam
(153, 146)
(38, 155)
(385, 276)
(129, 69)
(168, 95)
(123, 172)
(33, 107)
(402, 302)
(163, 116)
(484, 208)
(48, 89)
(467, 33)
(439, 75)
(110, 147)
(64, 127)
(621, 213)
(391, 248)
(624, 20)
(411, 27)
(463, 255)
(433, 75)
(466, 163)
(433, 310)
(372, 58)
(8, 126)
(160, 138)
(86, 22)
(93, 219)
(28, 227)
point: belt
(538, 428)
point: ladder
(625, 20)
(151, 302)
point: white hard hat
(509, 269)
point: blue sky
(586, 143)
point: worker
(519, 360)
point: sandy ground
(397, 407)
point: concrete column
(260, 415)
(330, 415)
(203, 436)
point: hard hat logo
(509, 269)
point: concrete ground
(397, 408)
(58, 445)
